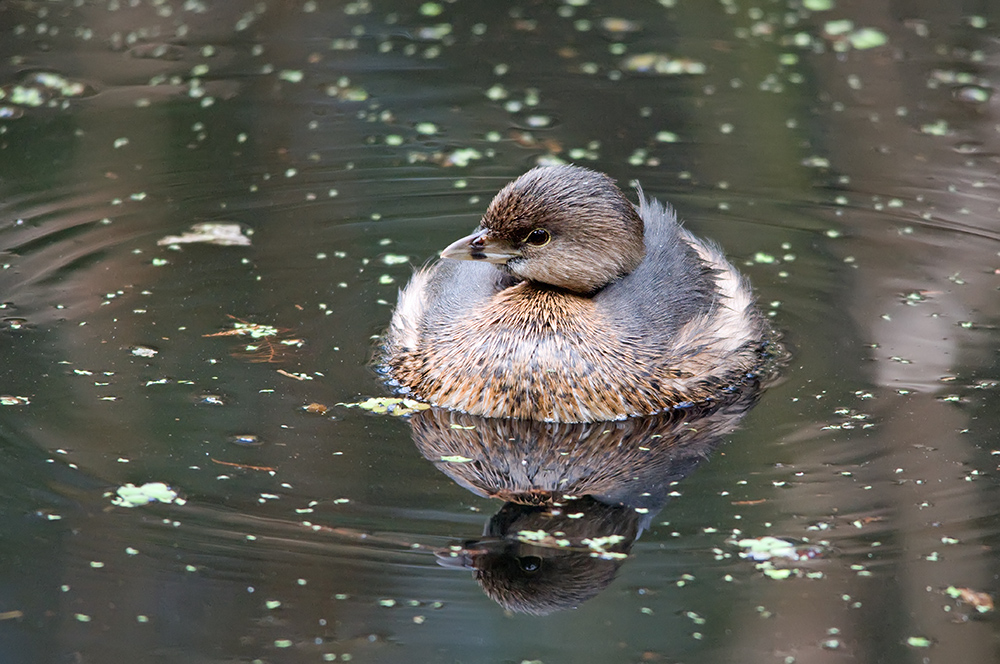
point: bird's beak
(480, 246)
(466, 556)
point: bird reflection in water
(577, 496)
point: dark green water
(856, 187)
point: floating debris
(663, 64)
(431, 9)
(291, 75)
(816, 162)
(867, 38)
(973, 94)
(296, 376)
(980, 600)
(433, 32)
(243, 466)
(158, 51)
(40, 88)
(767, 548)
(388, 406)
(842, 35)
(345, 91)
(937, 128)
(223, 234)
(461, 157)
(269, 344)
(241, 328)
(246, 439)
(837, 28)
(619, 27)
(131, 495)
(599, 547)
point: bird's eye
(529, 564)
(538, 238)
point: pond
(207, 210)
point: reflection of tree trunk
(920, 477)
(932, 493)
(162, 152)
(917, 472)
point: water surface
(849, 170)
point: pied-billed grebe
(569, 304)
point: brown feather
(677, 327)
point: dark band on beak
(480, 246)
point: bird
(570, 304)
